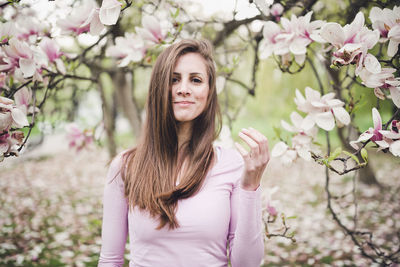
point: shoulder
(115, 167)
(229, 159)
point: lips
(183, 103)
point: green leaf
(364, 154)
(291, 217)
(174, 15)
(335, 154)
(354, 157)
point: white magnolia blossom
(129, 48)
(385, 139)
(109, 12)
(383, 79)
(11, 115)
(322, 110)
(351, 41)
(285, 154)
(293, 38)
(387, 21)
(300, 125)
(151, 30)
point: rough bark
(123, 87)
(109, 120)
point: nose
(183, 89)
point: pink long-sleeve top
(220, 215)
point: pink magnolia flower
(372, 133)
(322, 110)
(109, 12)
(301, 143)
(78, 138)
(276, 10)
(383, 79)
(52, 51)
(285, 154)
(351, 41)
(129, 48)
(22, 99)
(270, 44)
(10, 115)
(18, 55)
(84, 18)
(29, 29)
(391, 138)
(151, 30)
(387, 21)
(9, 143)
(7, 30)
(271, 204)
(383, 138)
(296, 35)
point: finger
(264, 148)
(242, 151)
(255, 135)
(245, 155)
(255, 150)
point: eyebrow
(192, 73)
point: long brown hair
(149, 171)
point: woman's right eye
(175, 80)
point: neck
(184, 132)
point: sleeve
(115, 218)
(246, 242)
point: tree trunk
(123, 85)
(109, 115)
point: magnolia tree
(47, 44)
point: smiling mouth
(183, 102)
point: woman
(182, 201)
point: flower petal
(376, 118)
(19, 117)
(109, 12)
(325, 120)
(23, 96)
(395, 94)
(312, 95)
(341, 115)
(27, 67)
(308, 123)
(372, 64)
(395, 148)
(96, 27)
(392, 48)
(333, 33)
(279, 149)
(287, 126)
(390, 134)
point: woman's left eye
(196, 80)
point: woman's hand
(255, 160)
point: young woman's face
(189, 87)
